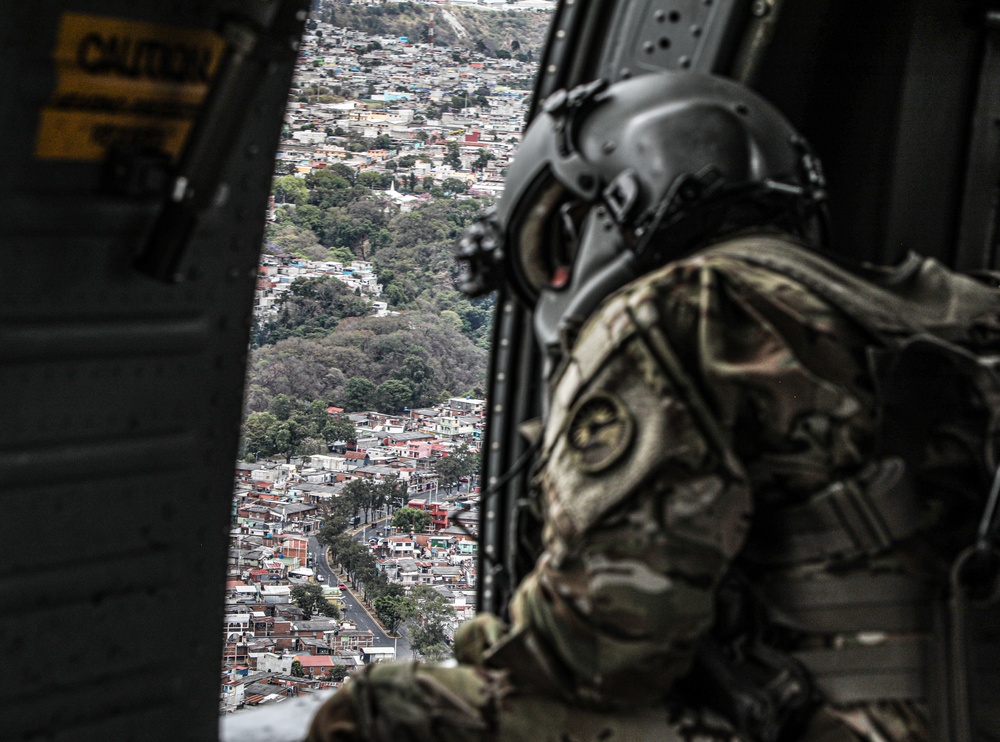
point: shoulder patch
(600, 431)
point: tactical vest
(933, 353)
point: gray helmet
(611, 181)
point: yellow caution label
(127, 84)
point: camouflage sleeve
(643, 479)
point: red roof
(334, 410)
(357, 455)
(319, 660)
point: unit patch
(125, 84)
(600, 431)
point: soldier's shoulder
(696, 279)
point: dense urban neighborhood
(287, 622)
(355, 509)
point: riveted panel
(670, 35)
(122, 392)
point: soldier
(749, 527)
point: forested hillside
(357, 306)
(322, 347)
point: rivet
(608, 147)
(685, 62)
(696, 31)
(561, 34)
(660, 16)
(551, 69)
(760, 8)
(648, 47)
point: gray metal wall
(121, 398)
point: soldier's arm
(645, 507)
(674, 385)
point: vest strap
(859, 602)
(852, 517)
(890, 671)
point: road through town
(354, 610)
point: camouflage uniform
(699, 396)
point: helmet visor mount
(544, 237)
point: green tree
(429, 632)
(283, 405)
(454, 185)
(453, 317)
(359, 395)
(327, 187)
(393, 396)
(482, 159)
(459, 463)
(374, 180)
(365, 495)
(452, 157)
(290, 427)
(420, 377)
(392, 610)
(335, 522)
(393, 491)
(413, 520)
(258, 434)
(339, 428)
(338, 673)
(310, 599)
(291, 190)
(344, 171)
(297, 670)
(308, 216)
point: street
(353, 610)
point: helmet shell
(649, 133)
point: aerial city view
(355, 510)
